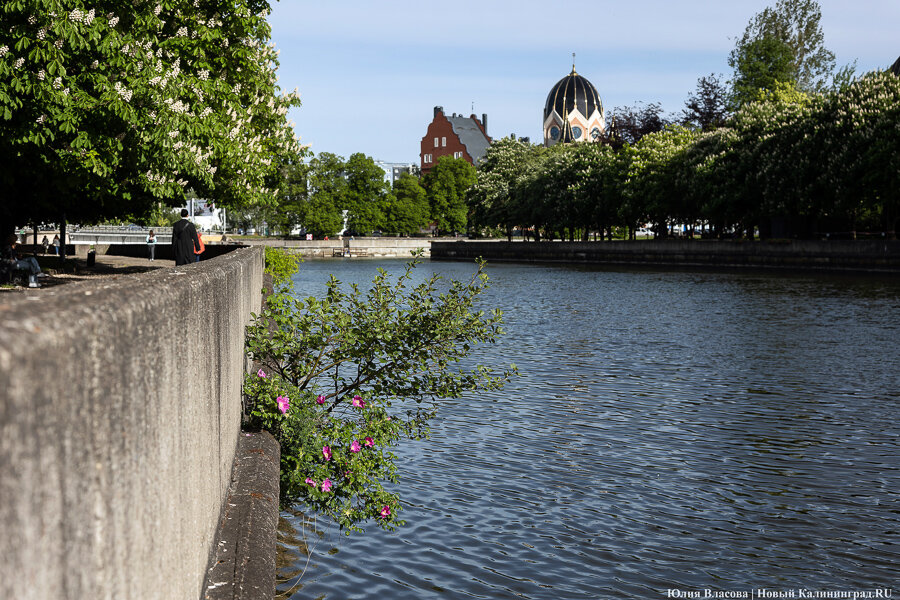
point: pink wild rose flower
(369, 442)
(320, 399)
(284, 404)
(326, 485)
(358, 402)
(261, 374)
(355, 447)
(311, 482)
(326, 452)
(385, 512)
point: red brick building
(456, 136)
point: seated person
(11, 260)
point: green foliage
(760, 64)
(160, 216)
(281, 265)
(361, 371)
(650, 194)
(109, 110)
(321, 212)
(318, 194)
(628, 124)
(407, 210)
(492, 200)
(293, 201)
(707, 108)
(447, 184)
(367, 193)
(796, 24)
(782, 92)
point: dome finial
(573, 63)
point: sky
(371, 72)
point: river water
(671, 432)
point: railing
(105, 234)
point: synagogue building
(573, 112)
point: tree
(447, 184)
(795, 23)
(294, 177)
(762, 64)
(321, 213)
(366, 194)
(107, 111)
(630, 123)
(492, 200)
(707, 108)
(651, 192)
(407, 208)
(345, 378)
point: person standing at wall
(151, 244)
(200, 249)
(56, 244)
(45, 243)
(184, 240)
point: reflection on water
(669, 430)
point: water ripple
(669, 430)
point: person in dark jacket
(184, 240)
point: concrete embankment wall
(119, 416)
(373, 246)
(867, 256)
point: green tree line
(322, 192)
(786, 165)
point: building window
(457, 155)
(435, 142)
(444, 142)
(428, 158)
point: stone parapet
(120, 411)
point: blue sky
(371, 73)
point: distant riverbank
(848, 256)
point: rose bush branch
(360, 371)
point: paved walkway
(105, 266)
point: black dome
(571, 92)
